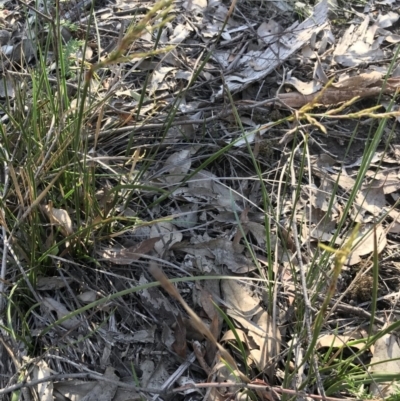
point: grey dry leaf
(153, 300)
(187, 216)
(72, 389)
(25, 50)
(394, 226)
(203, 179)
(5, 37)
(104, 390)
(181, 32)
(195, 6)
(167, 335)
(388, 181)
(354, 49)
(147, 367)
(226, 198)
(345, 182)
(206, 185)
(199, 250)
(258, 231)
(158, 81)
(189, 382)
(268, 32)
(87, 297)
(225, 373)
(128, 255)
(323, 224)
(365, 244)
(387, 20)
(228, 254)
(45, 389)
(52, 283)
(290, 41)
(154, 375)
(248, 137)
(371, 197)
(321, 197)
(385, 359)
(144, 336)
(168, 235)
(224, 253)
(177, 166)
(305, 88)
(7, 87)
(207, 295)
(61, 311)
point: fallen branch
(361, 86)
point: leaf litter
(269, 61)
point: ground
(199, 200)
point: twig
(93, 376)
(52, 80)
(259, 387)
(57, 377)
(176, 375)
(340, 306)
(200, 357)
(4, 231)
(307, 303)
(131, 129)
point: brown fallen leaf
(179, 345)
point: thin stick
(260, 387)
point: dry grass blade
(159, 275)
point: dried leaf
(338, 341)
(87, 297)
(177, 165)
(60, 218)
(45, 389)
(239, 298)
(61, 311)
(268, 32)
(259, 64)
(104, 390)
(366, 245)
(169, 236)
(385, 360)
(268, 343)
(158, 81)
(125, 256)
(52, 283)
(154, 375)
(153, 300)
(74, 389)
